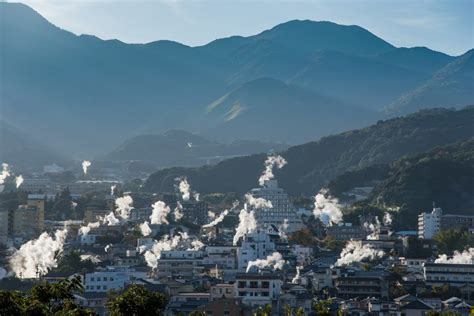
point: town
(263, 253)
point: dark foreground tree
(44, 299)
(138, 301)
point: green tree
(322, 307)
(453, 239)
(138, 301)
(263, 311)
(44, 299)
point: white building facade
(282, 210)
(429, 223)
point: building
(257, 289)
(6, 225)
(457, 275)
(282, 210)
(346, 231)
(185, 303)
(429, 223)
(254, 246)
(110, 278)
(92, 214)
(231, 307)
(185, 264)
(38, 201)
(450, 221)
(28, 221)
(222, 290)
(351, 284)
(195, 212)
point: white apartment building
(257, 289)
(180, 263)
(221, 256)
(254, 246)
(457, 275)
(282, 208)
(111, 278)
(429, 223)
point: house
(416, 308)
(257, 289)
(231, 307)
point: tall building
(38, 201)
(282, 209)
(429, 223)
(27, 221)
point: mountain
(452, 86)
(354, 79)
(269, 109)
(22, 150)
(312, 165)
(419, 59)
(87, 96)
(181, 148)
(444, 175)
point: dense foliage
(138, 301)
(314, 164)
(44, 299)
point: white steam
(184, 188)
(217, 220)
(257, 202)
(159, 213)
(145, 228)
(270, 163)
(85, 165)
(274, 261)
(178, 212)
(19, 181)
(247, 224)
(181, 241)
(326, 208)
(112, 189)
(387, 219)
(5, 173)
(356, 252)
(465, 257)
(36, 257)
(124, 206)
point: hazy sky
(444, 25)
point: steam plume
(326, 208)
(272, 161)
(387, 219)
(159, 213)
(465, 257)
(165, 243)
(247, 224)
(85, 165)
(217, 220)
(145, 229)
(274, 261)
(356, 252)
(257, 202)
(184, 188)
(36, 257)
(178, 212)
(19, 181)
(5, 173)
(124, 206)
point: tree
(71, 262)
(138, 301)
(453, 239)
(44, 299)
(302, 237)
(323, 307)
(263, 311)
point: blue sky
(444, 25)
